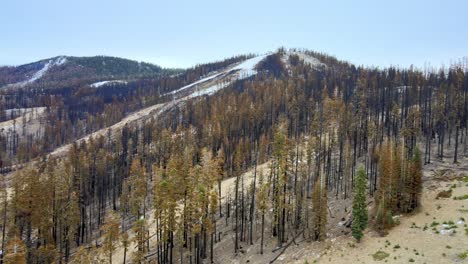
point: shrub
(380, 255)
(462, 197)
(444, 194)
(463, 255)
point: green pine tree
(359, 205)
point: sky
(174, 33)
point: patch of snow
(99, 84)
(47, 66)
(460, 222)
(60, 61)
(307, 59)
(195, 83)
(209, 90)
(247, 68)
(242, 70)
(312, 61)
(37, 75)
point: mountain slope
(206, 86)
(64, 69)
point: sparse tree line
(313, 126)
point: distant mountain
(65, 69)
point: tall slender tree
(359, 205)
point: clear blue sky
(175, 33)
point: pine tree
(15, 252)
(383, 199)
(359, 205)
(125, 244)
(414, 185)
(82, 256)
(319, 207)
(280, 155)
(262, 204)
(111, 232)
(139, 228)
(138, 189)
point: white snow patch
(60, 61)
(39, 73)
(209, 90)
(307, 59)
(197, 82)
(99, 84)
(242, 70)
(247, 68)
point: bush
(444, 194)
(380, 255)
(463, 255)
(462, 197)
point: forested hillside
(311, 131)
(76, 96)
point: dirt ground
(28, 121)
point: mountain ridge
(64, 68)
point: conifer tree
(138, 189)
(125, 244)
(262, 204)
(111, 232)
(15, 252)
(82, 256)
(383, 204)
(319, 207)
(359, 205)
(139, 228)
(414, 185)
